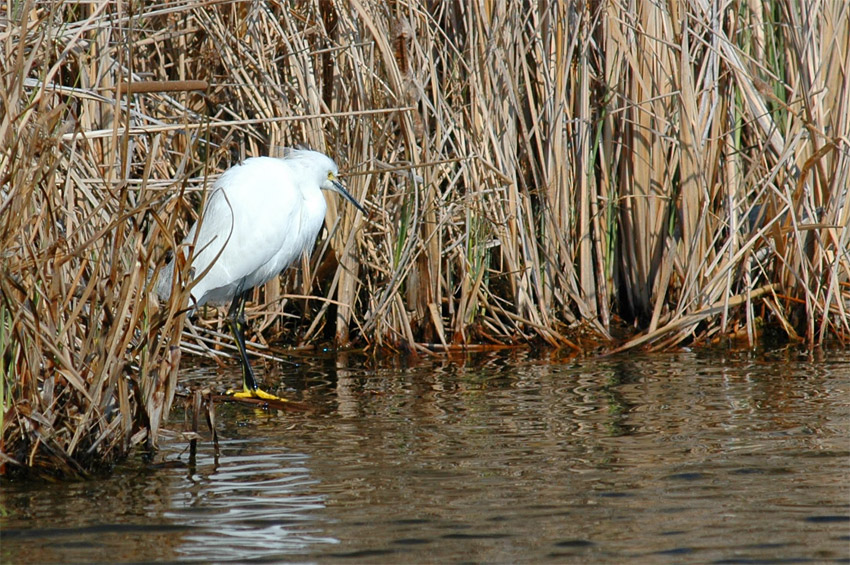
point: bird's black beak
(341, 189)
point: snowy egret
(260, 216)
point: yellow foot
(258, 393)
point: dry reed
(533, 172)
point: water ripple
(684, 458)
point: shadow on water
(690, 457)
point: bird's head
(331, 183)
(325, 169)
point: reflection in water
(251, 502)
(683, 458)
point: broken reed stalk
(529, 171)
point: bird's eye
(330, 175)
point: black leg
(236, 321)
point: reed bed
(552, 173)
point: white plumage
(260, 216)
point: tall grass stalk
(533, 172)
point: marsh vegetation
(586, 176)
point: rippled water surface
(692, 457)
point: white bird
(259, 218)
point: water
(681, 458)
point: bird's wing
(251, 211)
